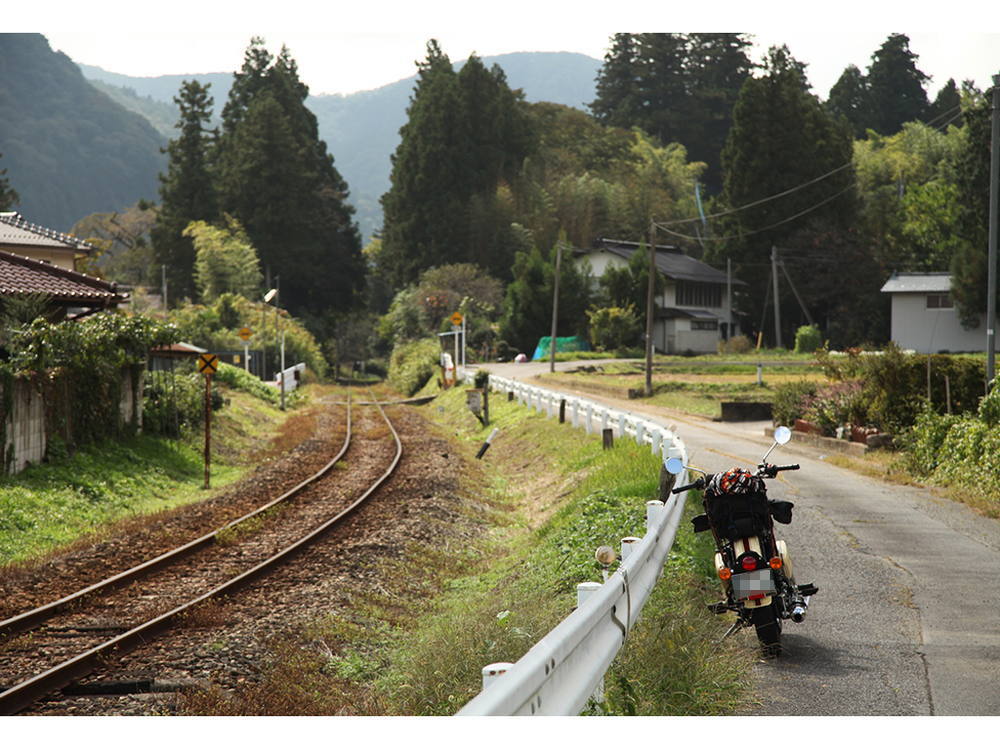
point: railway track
(53, 645)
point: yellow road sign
(208, 364)
(456, 318)
(245, 333)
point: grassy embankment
(546, 496)
(53, 504)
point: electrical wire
(762, 229)
(956, 111)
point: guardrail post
(654, 512)
(621, 425)
(590, 415)
(576, 412)
(654, 443)
(583, 590)
(628, 544)
(640, 432)
(492, 671)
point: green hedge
(413, 363)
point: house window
(704, 325)
(939, 302)
(699, 294)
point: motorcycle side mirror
(782, 435)
(674, 465)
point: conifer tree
(851, 99)
(187, 191)
(277, 178)
(896, 85)
(946, 108)
(782, 138)
(618, 100)
(466, 134)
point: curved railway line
(59, 642)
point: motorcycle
(753, 564)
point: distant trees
(467, 133)
(783, 141)
(891, 94)
(269, 171)
(187, 190)
(226, 261)
(677, 88)
(274, 174)
(528, 303)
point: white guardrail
(566, 667)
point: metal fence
(560, 673)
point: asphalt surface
(907, 618)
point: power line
(956, 111)
(762, 229)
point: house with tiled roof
(693, 312)
(70, 294)
(21, 237)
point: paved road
(907, 620)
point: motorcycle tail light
(748, 563)
(775, 563)
(725, 574)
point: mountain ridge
(361, 129)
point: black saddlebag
(738, 516)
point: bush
(734, 345)
(790, 401)
(613, 328)
(834, 405)
(172, 402)
(807, 339)
(412, 364)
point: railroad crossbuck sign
(456, 318)
(208, 364)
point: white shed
(925, 319)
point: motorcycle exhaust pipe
(798, 614)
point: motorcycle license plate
(754, 584)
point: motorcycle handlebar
(695, 485)
(790, 467)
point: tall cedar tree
(969, 266)
(277, 178)
(676, 87)
(896, 85)
(466, 133)
(8, 196)
(850, 98)
(187, 191)
(782, 137)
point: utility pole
(777, 306)
(729, 298)
(649, 308)
(991, 291)
(555, 308)
(163, 271)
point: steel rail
(28, 691)
(35, 617)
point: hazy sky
(345, 51)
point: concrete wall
(933, 330)
(26, 430)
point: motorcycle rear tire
(768, 626)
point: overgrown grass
(52, 504)
(552, 497)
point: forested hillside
(68, 149)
